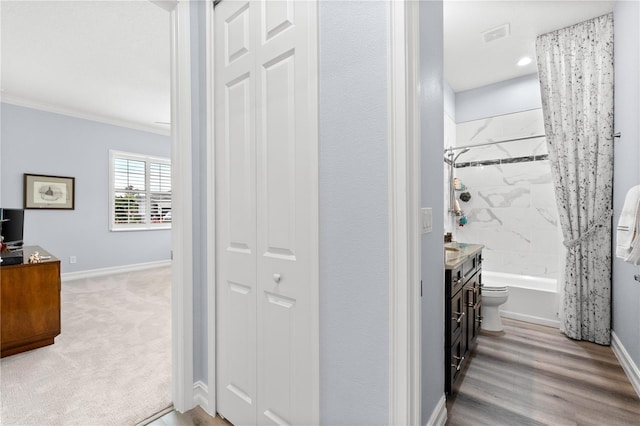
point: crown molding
(70, 112)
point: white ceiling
(110, 59)
(104, 59)
(470, 63)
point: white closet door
(287, 162)
(235, 151)
(278, 41)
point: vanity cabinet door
(458, 315)
(472, 296)
(456, 362)
(477, 310)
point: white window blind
(140, 191)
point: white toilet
(493, 295)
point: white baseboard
(201, 397)
(439, 414)
(630, 368)
(93, 273)
(531, 319)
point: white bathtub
(531, 299)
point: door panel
(278, 17)
(277, 169)
(286, 150)
(267, 161)
(236, 268)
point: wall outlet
(73, 259)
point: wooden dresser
(30, 303)
(463, 307)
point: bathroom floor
(534, 375)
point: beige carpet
(111, 365)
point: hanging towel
(628, 231)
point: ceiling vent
(496, 33)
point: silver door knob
(276, 278)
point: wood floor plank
(534, 375)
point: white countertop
(456, 253)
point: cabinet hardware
(470, 297)
(458, 365)
(460, 315)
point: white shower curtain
(575, 66)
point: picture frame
(49, 192)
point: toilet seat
(488, 287)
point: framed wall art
(49, 192)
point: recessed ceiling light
(525, 60)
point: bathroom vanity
(463, 307)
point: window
(140, 191)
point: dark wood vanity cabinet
(463, 314)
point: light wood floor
(534, 375)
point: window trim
(113, 155)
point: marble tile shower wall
(512, 210)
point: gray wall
(626, 173)
(354, 275)
(505, 97)
(449, 100)
(432, 182)
(199, 193)
(41, 142)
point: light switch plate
(427, 220)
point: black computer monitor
(12, 224)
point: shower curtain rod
(455, 148)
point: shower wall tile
(505, 239)
(526, 123)
(491, 259)
(543, 195)
(480, 177)
(511, 126)
(512, 210)
(535, 172)
(505, 196)
(482, 218)
(544, 242)
(544, 266)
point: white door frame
(211, 211)
(182, 206)
(405, 375)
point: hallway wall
(432, 184)
(354, 244)
(626, 173)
